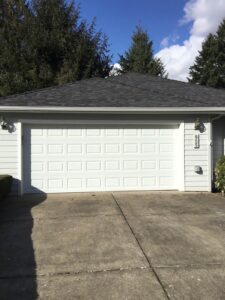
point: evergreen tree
(139, 57)
(66, 49)
(209, 66)
(88, 55)
(45, 43)
(54, 26)
(15, 54)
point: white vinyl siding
(9, 156)
(200, 157)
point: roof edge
(111, 110)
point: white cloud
(165, 42)
(170, 39)
(205, 15)
(178, 58)
(116, 70)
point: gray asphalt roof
(128, 90)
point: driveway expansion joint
(142, 250)
(191, 266)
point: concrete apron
(113, 246)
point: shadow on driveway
(17, 257)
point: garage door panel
(166, 164)
(166, 181)
(111, 165)
(74, 148)
(166, 132)
(149, 181)
(150, 148)
(74, 132)
(166, 148)
(74, 183)
(70, 158)
(73, 166)
(129, 182)
(55, 132)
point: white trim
(210, 156)
(181, 159)
(136, 110)
(100, 122)
(20, 157)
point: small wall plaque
(197, 141)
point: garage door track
(135, 245)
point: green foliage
(15, 55)
(5, 185)
(220, 175)
(209, 66)
(44, 43)
(139, 57)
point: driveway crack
(71, 273)
(141, 248)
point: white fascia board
(112, 110)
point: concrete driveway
(137, 245)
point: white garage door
(70, 158)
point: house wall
(10, 143)
(9, 155)
(200, 157)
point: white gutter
(111, 110)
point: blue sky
(118, 18)
(161, 18)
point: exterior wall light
(3, 123)
(7, 125)
(197, 124)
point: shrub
(220, 175)
(5, 185)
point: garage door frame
(179, 123)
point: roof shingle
(128, 90)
